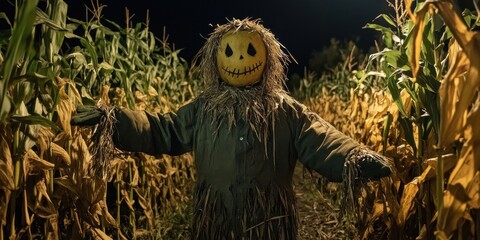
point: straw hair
(254, 104)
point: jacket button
(241, 138)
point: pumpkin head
(227, 55)
(241, 57)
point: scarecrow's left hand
(87, 116)
(371, 165)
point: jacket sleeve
(170, 133)
(320, 146)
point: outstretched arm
(326, 150)
(140, 131)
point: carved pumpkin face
(241, 58)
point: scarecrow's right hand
(87, 116)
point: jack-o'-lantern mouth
(236, 72)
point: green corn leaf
(428, 49)
(5, 17)
(407, 127)
(379, 28)
(393, 58)
(430, 102)
(386, 130)
(91, 51)
(395, 92)
(53, 37)
(20, 40)
(42, 18)
(387, 19)
(428, 81)
(409, 87)
(35, 119)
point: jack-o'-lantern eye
(251, 50)
(228, 51)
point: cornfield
(47, 188)
(424, 118)
(415, 100)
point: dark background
(302, 26)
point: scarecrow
(246, 134)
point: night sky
(300, 25)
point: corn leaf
(34, 164)
(22, 31)
(99, 234)
(451, 118)
(386, 130)
(42, 205)
(35, 119)
(407, 127)
(409, 196)
(54, 35)
(457, 194)
(417, 36)
(65, 106)
(430, 102)
(6, 166)
(395, 92)
(5, 17)
(59, 156)
(470, 43)
(463, 184)
(67, 184)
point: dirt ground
(318, 208)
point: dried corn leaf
(62, 139)
(34, 164)
(51, 229)
(417, 36)
(408, 7)
(45, 135)
(65, 106)
(408, 197)
(80, 157)
(93, 190)
(473, 119)
(99, 234)
(474, 192)
(66, 183)
(135, 177)
(107, 216)
(4, 203)
(449, 161)
(470, 44)
(452, 118)
(60, 156)
(95, 212)
(6, 177)
(126, 197)
(42, 205)
(147, 208)
(105, 99)
(459, 184)
(6, 166)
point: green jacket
(244, 187)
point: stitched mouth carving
(236, 72)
